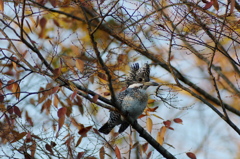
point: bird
(133, 101)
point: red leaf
(191, 155)
(208, 5)
(10, 109)
(117, 152)
(178, 120)
(167, 123)
(62, 112)
(83, 131)
(17, 111)
(1, 97)
(43, 22)
(80, 155)
(95, 98)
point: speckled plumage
(133, 99)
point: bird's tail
(123, 127)
(106, 128)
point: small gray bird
(133, 100)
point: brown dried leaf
(102, 76)
(149, 125)
(29, 26)
(101, 153)
(33, 148)
(49, 148)
(61, 115)
(28, 118)
(215, 4)
(83, 131)
(80, 65)
(80, 155)
(73, 95)
(10, 109)
(191, 155)
(1, 97)
(17, 111)
(79, 141)
(19, 136)
(117, 152)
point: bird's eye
(140, 80)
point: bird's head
(143, 85)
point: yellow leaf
(161, 134)
(16, 90)
(80, 65)
(149, 125)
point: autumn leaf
(178, 120)
(16, 90)
(208, 5)
(161, 134)
(1, 6)
(43, 22)
(17, 111)
(80, 65)
(117, 152)
(191, 155)
(102, 152)
(215, 4)
(19, 136)
(55, 100)
(61, 115)
(49, 148)
(145, 147)
(149, 125)
(83, 131)
(79, 141)
(95, 98)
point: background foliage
(62, 62)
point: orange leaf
(145, 147)
(161, 134)
(149, 125)
(101, 153)
(80, 65)
(178, 120)
(62, 112)
(1, 6)
(158, 116)
(55, 100)
(215, 4)
(16, 90)
(149, 154)
(191, 155)
(102, 76)
(117, 152)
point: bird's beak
(151, 84)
